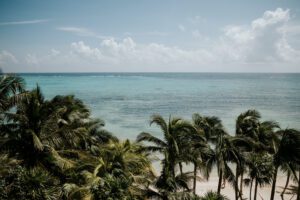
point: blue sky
(145, 36)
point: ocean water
(126, 101)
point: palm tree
(169, 146)
(213, 196)
(196, 151)
(36, 184)
(224, 151)
(11, 91)
(288, 152)
(201, 156)
(121, 171)
(211, 126)
(41, 130)
(247, 124)
(25, 139)
(262, 135)
(260, 171)
(247, 127)
(290, 170)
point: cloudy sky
(150, 36)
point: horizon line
(137, 72)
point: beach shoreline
(262, 194)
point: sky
(150, 36)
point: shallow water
(127, 100)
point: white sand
(263, 193)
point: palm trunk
(255, 190)
(236, 186)
(251, 184)
(220, 181)
(195, 178)
(287, 183)
(274, 183)
(180, 168)
(298, 195)
(241, 185)
(165, 197)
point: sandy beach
(263, 193)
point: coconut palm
(262, 136)
(213, 196)
(36, 184)
(260, 171)
(210, 126)
(41, 130)
(225, 151)
(247, 127)
(247, 123)
(290, 170)
(269, 136)
(122, 172)
(11, 91)
(25, 140)
(200, 155)
(173, 133)
(288, 152)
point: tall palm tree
(262, 135)
(288, 152)
(246, 126)
(260, 171)
(224, 152)
(211, 126)
(12, 90)
(40, 127)
(196, 150)
(290, 170)
(23, 140)
(169, 147)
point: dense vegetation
(53, 149)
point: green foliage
(113, 187)
(213, 196)
(35, 184)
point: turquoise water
(127, 100)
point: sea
(126, 101)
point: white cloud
(6, 58)
(271, 17)
(197, 19)
(81, 49)
(148, 33)
(264, 40)
(54, 52)
(156, 33)
(196, 33)
(287, 52)
(128, 52)
(36, 60)
(268, 41)
(80, 31)
(181, 28)
(32, 59)
(36, 21)
(77, 30)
